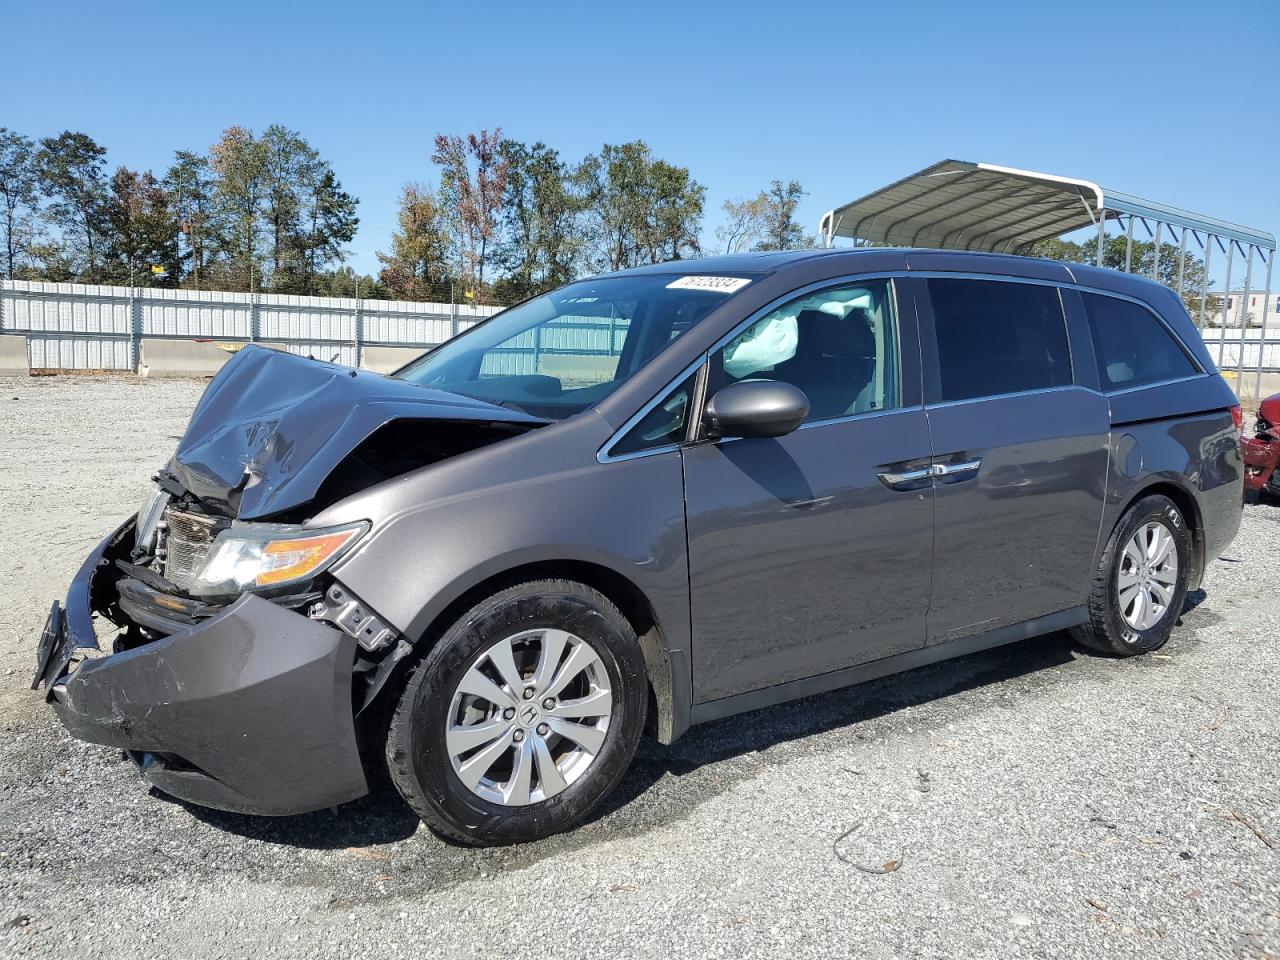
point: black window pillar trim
(1084, 361)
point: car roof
(754, 263)
(917, 259)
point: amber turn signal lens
(285, 560)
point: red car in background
(1262, 450)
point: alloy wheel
(529, 717)
(1147, 577)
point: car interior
(836, 347)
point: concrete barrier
(575, 370)
(1245, 389)
(180, 358)
(13, 356)
(386, 359)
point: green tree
(614, 188)
(672, 227)
(417, 267)
(1140, 261)
(640, 209)
(288, 164)
(194, 192)
(766, 221)
(50, 260)
(540, 208)
(70, 167)
(239, 161)
(345, 282)
(19, 199)
(142, 231)
(329, 222)
(781, 230)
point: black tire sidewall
(580, 612)
(1164, 510)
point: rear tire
(460, 748)
(1141, 581)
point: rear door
(1020, 452)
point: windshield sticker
(714, 284)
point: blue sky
(1176, 101)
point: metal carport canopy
(960, 205)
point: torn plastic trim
(70, 626)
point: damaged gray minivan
(642, 501)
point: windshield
(567, 350)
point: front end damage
(242, 691)
(246, 706)
(1262, 450)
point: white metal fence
(1243, 349)
(75, 326)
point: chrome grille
(187, 538)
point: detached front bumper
(248, 711)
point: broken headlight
(149, 515)
(266, 555)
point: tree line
(251, 213)
(509, 220)
(1140, 259)
(502, 220)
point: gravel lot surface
(1039, 802)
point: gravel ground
(1039, 802)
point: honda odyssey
(639, 502)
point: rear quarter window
(1132, 345)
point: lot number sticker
(714, 284)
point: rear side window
(998, 337)
(1132, 346)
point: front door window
(838, 346)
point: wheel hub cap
(1147, 575)
(529, 717)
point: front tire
(1141, 581)
(522, 718)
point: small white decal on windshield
(714, 284)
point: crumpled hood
(271, 426)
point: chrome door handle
(951, 469)
(896, 480)
(908, 476)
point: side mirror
(755, 408)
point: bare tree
(19, 197)
(472, 180)
(744, 223)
